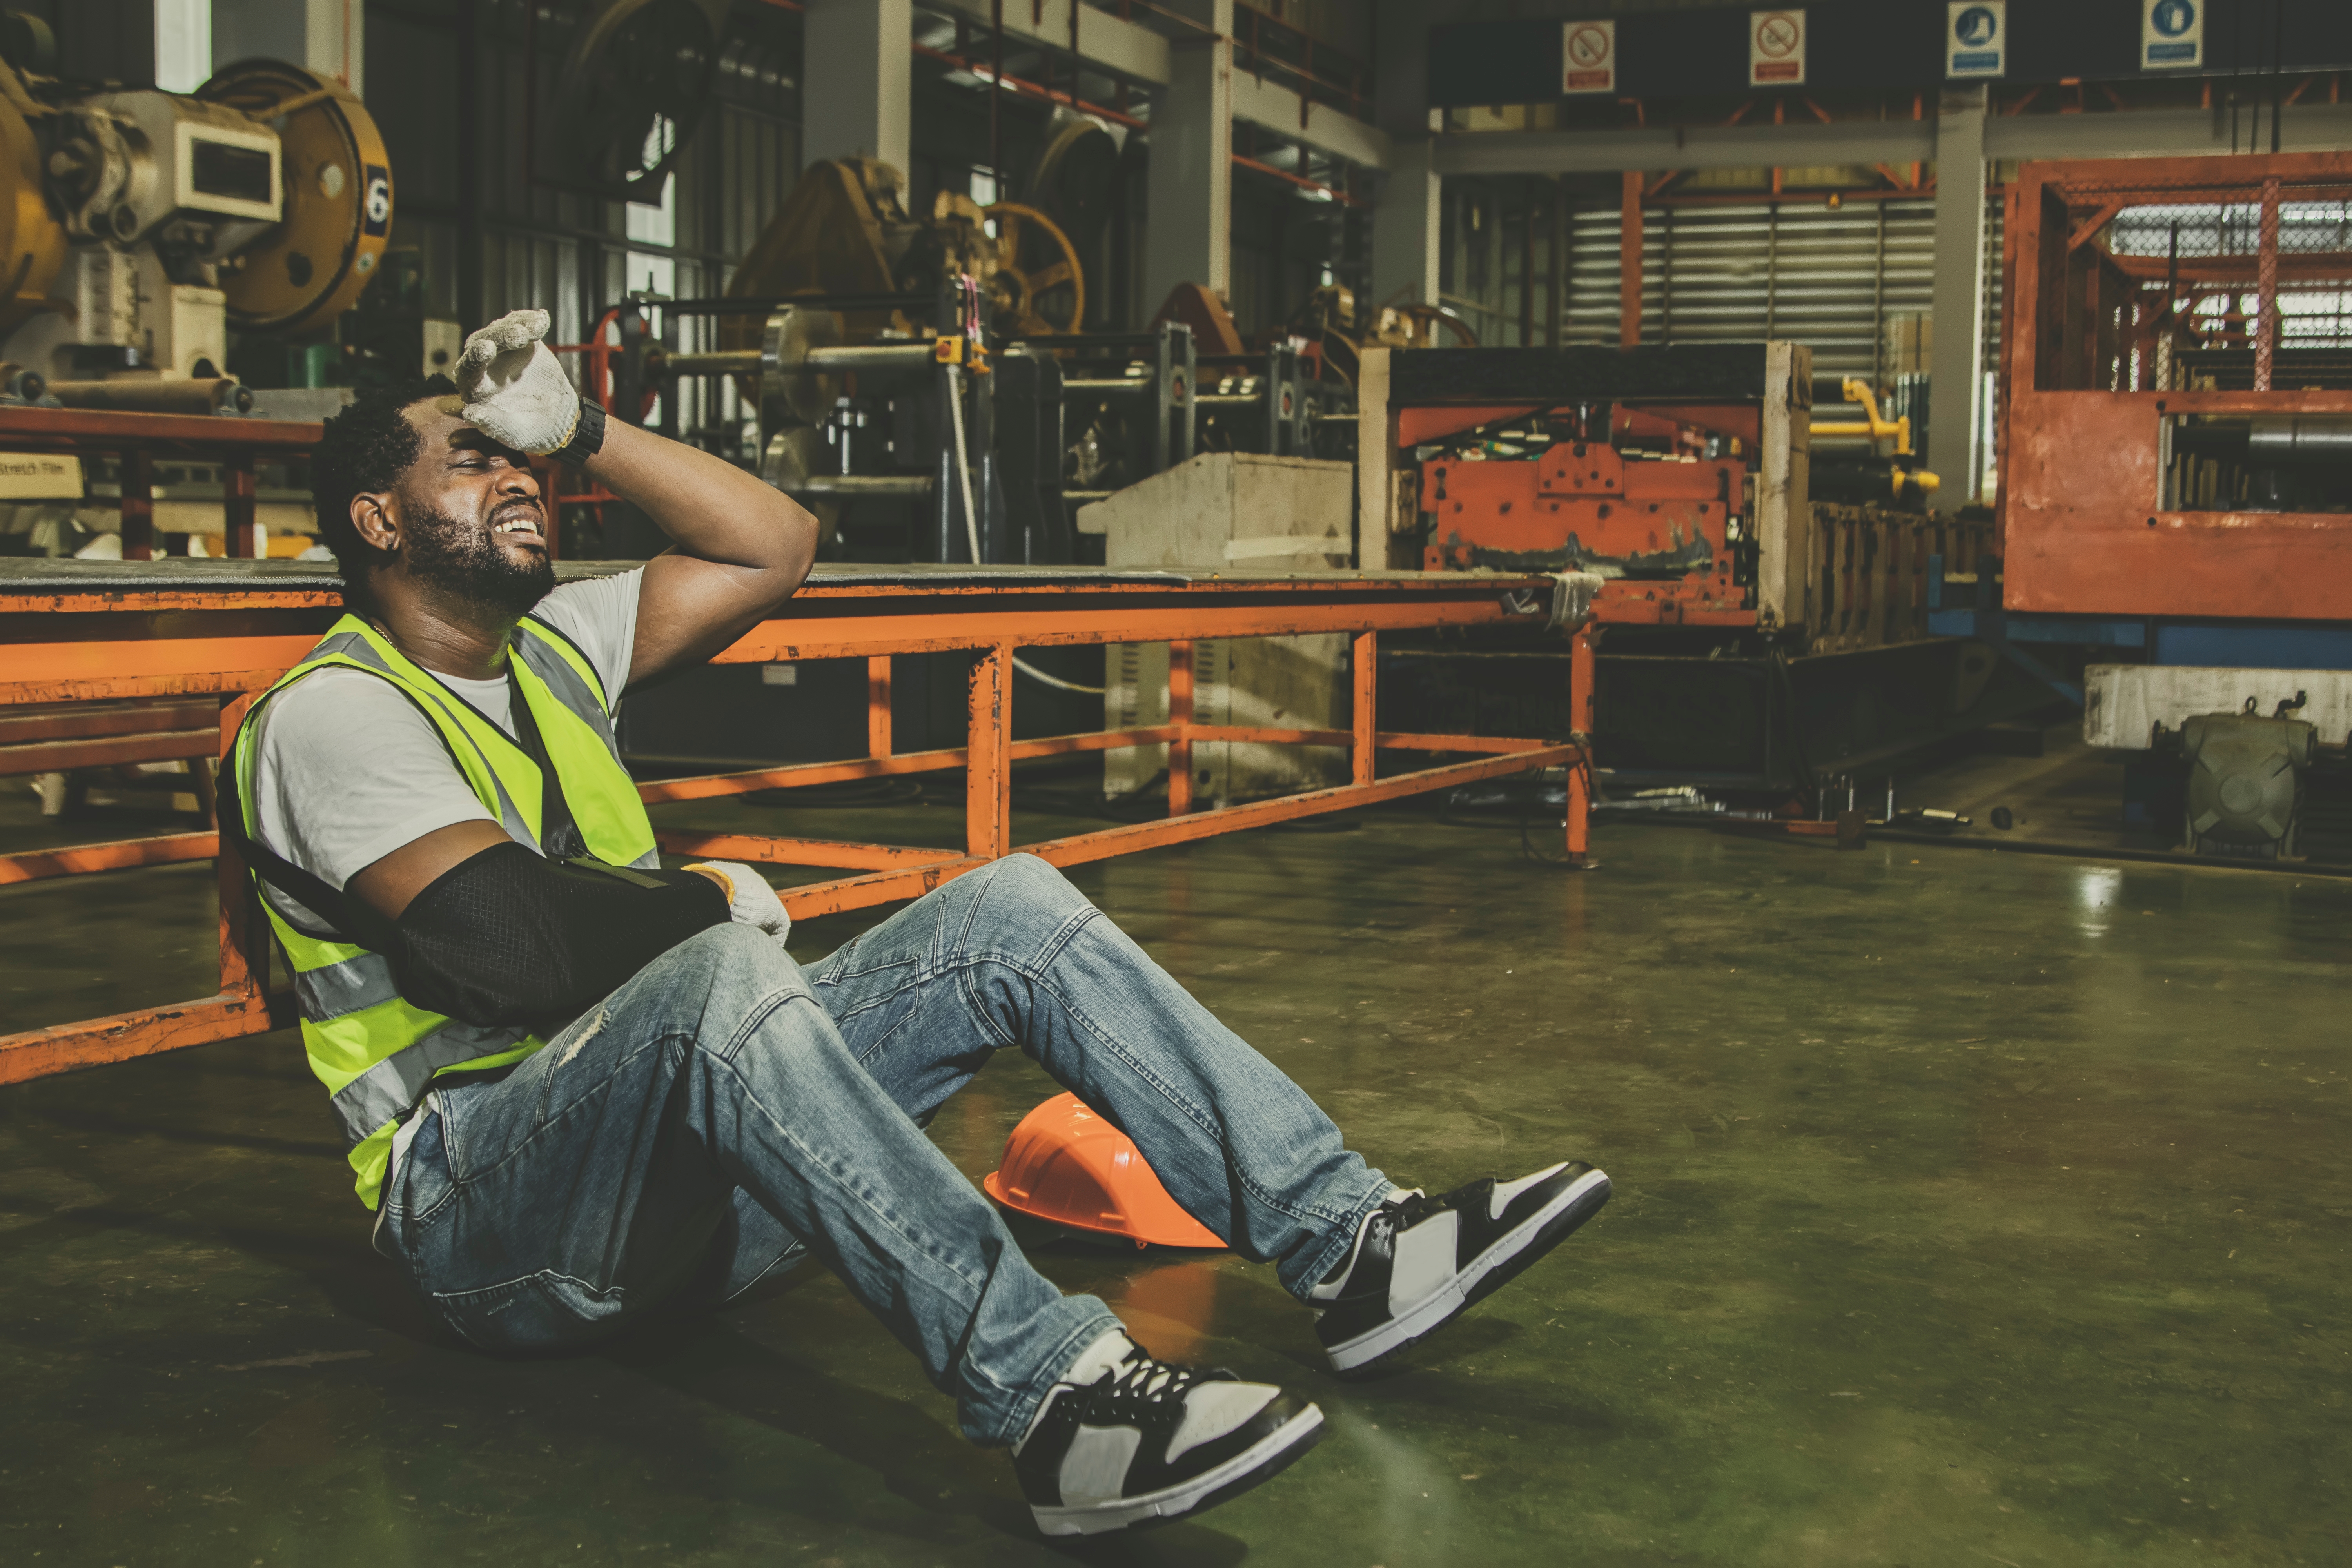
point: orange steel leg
(1368, 670)
(240, 1007)
(238, 503)
(988, 781)
(1180, 717)
(243, 933)
(138, 505)
(1579, 777)
(878, 705)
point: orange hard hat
(1067, 1164)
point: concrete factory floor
(1971, 1209)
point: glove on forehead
(515, 391)
(515, 329)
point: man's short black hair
(365, 447)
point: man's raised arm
(742, 547)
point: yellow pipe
(1872, 426)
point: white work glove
(513, 388)
(749, 900)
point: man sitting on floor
(575, 1084)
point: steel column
(1361, 746)
(988, 776)
(878, 705)
(138, 504)
(1180, 720)
(238, 505)
(1629, 261)
(2266, 320)
(1579, 772)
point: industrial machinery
(924, 387)
(635, 84)
(144, 226)
(1868, 477)
(2176, 472)
(2245, 782)
(1128, 407)
(1752, 635)
(826, 329)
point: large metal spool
(336, 183)
(790, 336)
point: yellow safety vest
(375, 1052)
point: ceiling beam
(1323, 128)
(1863, 141)
(1141, 55)
(2306, 128)
(1123, 48)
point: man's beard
(462, 562)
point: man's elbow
(796, 532)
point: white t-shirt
(346, 770)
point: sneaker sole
(1489, 1272)
(1268, 1456)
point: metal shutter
(1741, 273)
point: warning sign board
(1587, 56)
(1776, 49)
(1976, 38)
(2171, 35)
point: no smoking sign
(1776, 49)
(1587, 56)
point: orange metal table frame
(76, 631)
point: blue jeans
(725, 1111)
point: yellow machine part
(835, 235)
(1871, 424)
(338, 198)
(32, 241)
(1034, 257)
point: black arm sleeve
(505, 937)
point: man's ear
(375, 514)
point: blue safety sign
(2171, 35)
(1977, 37)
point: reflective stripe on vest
(384, 1093)
(376, 1052)
(332, 990)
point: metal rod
(863, 487)
(1086, 340)
(869, 356)
(726, 305)
(724, 362)
(134, 395)
(1124, 386)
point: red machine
(1665, 530)
(1761, 621)
(2176, 425)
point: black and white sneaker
(1147, 1441)
(1420, 1262)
